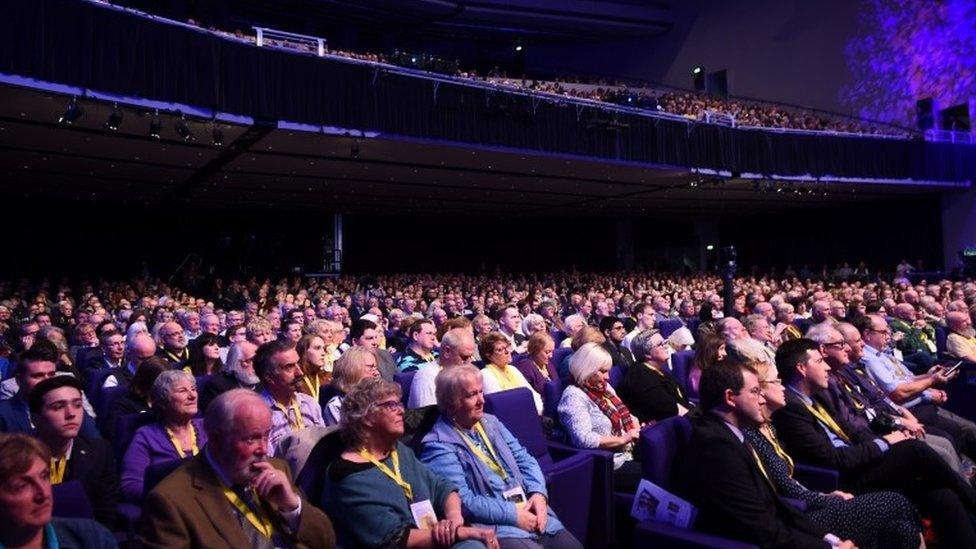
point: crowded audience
(210, 389)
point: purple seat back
(515, 408)
(157, 472)
(659, 445)
(680, 366)
(558, 355)
(551, 394)
(941, 339)
(71, 501)
(617, 373)
(125, 430)
(669, 326)
(95, 380)
(405, 379)
(109, 396)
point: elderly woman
(499, 482)
(648, 388)
(315, 363)
(536, 367)
(174, 436)
(876, 519)
(594, 417)
(499, 374)
(533, 323)
(378, 493)
(356, 364)
(204, 355)
(26, 503)
(136, 399)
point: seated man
(720, 473)
(915, 392)
(961, 342)
(110, 352)
(26, 504)
(276, 365)
(138, 348)
(55, 406)
(613, 330)
(35, 366)
(913, 337)
(648, 389)
(422, 338)
(231, 494)
(457, 347)
(813, 433)
(172, 344)
(238, 373)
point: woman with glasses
(176, 435)
(356, 364)
(594, 417)
(499, 482)
(877, 519)
(499, 374)
(648, 388)
(378, 493)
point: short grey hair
(162, 388)
(449, 383)
(359, 404)
(820, 332)
(641, 344)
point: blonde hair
(350, 369)
(588, 360)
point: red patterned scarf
(612, 407)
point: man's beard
(968, 332)
(245, 378)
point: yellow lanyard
(762, 468)
(299, 423)
(313, 384)
(824, 417)
(394, 474)
(257, 517)
(506, 377)
(491, 458)
(179, 447)
(660, 373)
(851, 391)
(58, 467)
(779, 450)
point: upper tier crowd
(194, 416)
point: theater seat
(71, 501)
(551, 394)
(405, 379)
(579, 493)
(680, 366)
(669, 326)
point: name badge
(423, 513)
(516, 495)
(871, 413)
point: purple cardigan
(532, 374)
(150, 445)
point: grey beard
(245, 378)
(968, 332)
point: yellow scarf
(507, 378)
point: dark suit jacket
(93, 464)
(716, 472)
(620, 355)
(14, 419)
(651, 396)
(807, 441)
(219, 383)
(188, 509)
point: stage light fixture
(183, 129)
(114, 119)
(155, 125)
(71, 113)
(696, 70)
(218, 137)
(518, 48)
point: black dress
(876, 519)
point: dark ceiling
(260, 168)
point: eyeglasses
(769, 382)
(835, 344)
(390, 405)
(755, 391)
(886, 331)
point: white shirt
(422, 387)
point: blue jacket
(481, 489)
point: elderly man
(232, 494)
(457, 347)
(913, 337)
(171, 345)
(731, 329)
(572, 324)
(785, 316)
(191, 325)
(110, 354)
(238, 373)
(276, 365)
(962, 338)
(137, 349)
(759, 329)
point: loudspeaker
(925, 114)
(955, 118)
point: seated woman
(536, 367)
(499, 374)
(378, 493)
(26, 504)
(204, 355)
(877, 519)
(648, 389)
(710, 349)
(500, 483)
(136, 399)
(175, 435)
(313, 359)
(594, 417)
(356, 364)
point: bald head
(958, 321)
(904, 311)
(457, 347)
(139, 347)
(238, 423)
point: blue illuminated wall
(906, 50)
